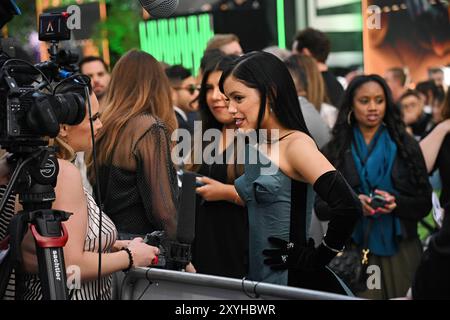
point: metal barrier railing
(158, 284)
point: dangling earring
(349, 118)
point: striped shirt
(5, 218)
(87, 290)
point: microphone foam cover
(159, 8)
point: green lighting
(180, 40)
(281, 27)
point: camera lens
(70, 109)
(48, 112)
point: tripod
(34, 179)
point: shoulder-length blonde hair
(138, 86)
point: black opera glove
(337, 199)
(288, 255)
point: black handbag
(351, 264)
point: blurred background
(109, 28)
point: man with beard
(96, 69)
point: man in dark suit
(184, 92)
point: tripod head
(38, 169)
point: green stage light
(281, 24)
(179, 40)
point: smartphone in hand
(378, 202)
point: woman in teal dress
(261, 95)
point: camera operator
(82, 246)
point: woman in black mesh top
(137, 179)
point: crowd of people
(336, 149)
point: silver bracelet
(332, 249)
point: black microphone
(8, 8)
(159, 8)
(186, 209)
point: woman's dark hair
(343, 130)
(221, 64)
(210, 59)
(215, 63)
(268, 74)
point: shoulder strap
(367, 234)
(286, 135)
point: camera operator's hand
(143, 254)
(290, 255)
(190, 268)
(390, 202)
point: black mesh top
(139, 186)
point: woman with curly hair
(380, 160)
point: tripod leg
(49, 243)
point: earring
(349, 118)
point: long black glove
(288, 255)
(344, 207)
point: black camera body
(30, 111)
(17, 107)
(31, 115)
(173, 255)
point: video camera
(30, 110)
